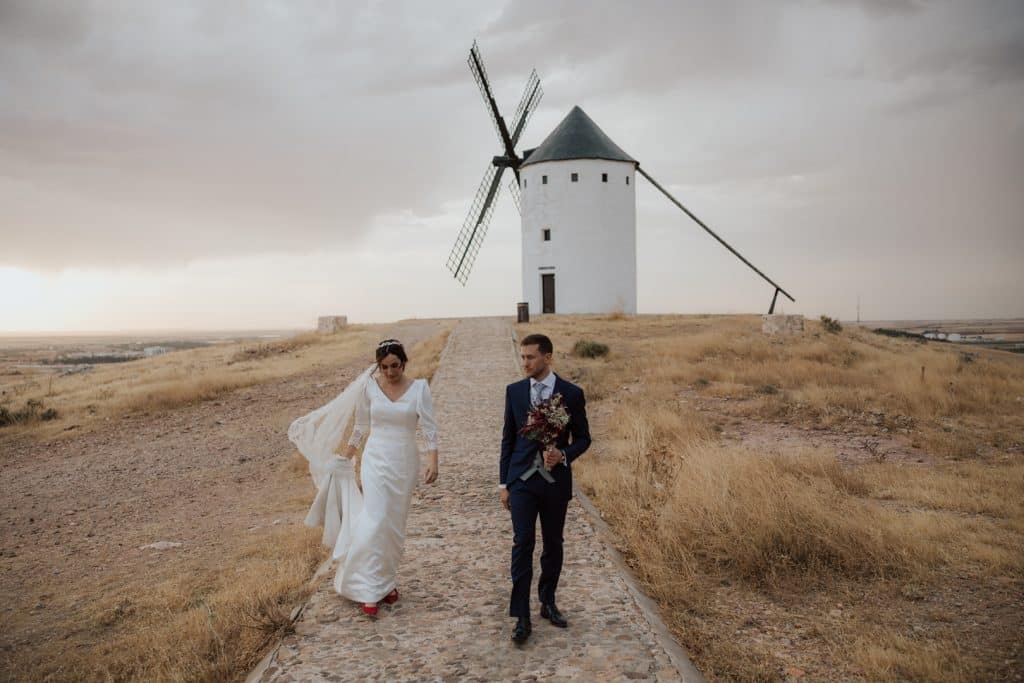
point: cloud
(154, 135)
(182, 127)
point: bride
(367, 530)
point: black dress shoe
(551, 613)
(522, 630)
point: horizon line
(237, 330)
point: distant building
(329, 324)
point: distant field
(1003, 334)
(53, 377)
(20, 350)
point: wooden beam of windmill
(476, 66)
(711, 232)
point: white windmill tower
(576, 195)
(579, 221)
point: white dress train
(369, 552)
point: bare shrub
(589, 349)
(831, 325)
(32, 411)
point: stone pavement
(451, 622)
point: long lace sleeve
(425, 408)
(362, 422)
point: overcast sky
(253, 165)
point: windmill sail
(517, 197)
(467, 244)
(527, 105)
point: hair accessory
(389, 342)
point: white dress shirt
(549, 387)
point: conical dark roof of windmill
(576, 137)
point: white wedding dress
(368, 551)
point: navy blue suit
(536, 496)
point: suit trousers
(529, 500)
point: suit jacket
(517, 452)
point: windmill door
(547, 282)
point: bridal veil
(317, 435)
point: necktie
(538, 393)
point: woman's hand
(430, 476)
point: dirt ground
(980, 613)
(77, 512)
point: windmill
(569, 185)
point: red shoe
(369, 609)
(392, 597)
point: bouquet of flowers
(546, 421)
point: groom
(529, 489)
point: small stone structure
(327, 324)
(781, 323)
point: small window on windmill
(524, 183)
(627, 180)
(604, 177)
(575, 177)
(543, 180)
(547, 234)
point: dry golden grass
(761, 517)
(713, 528)
(885, 656)
(209, 614)
(206, 624)
(163, 382)
(824, 377)
(425, 357)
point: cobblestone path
(451, 622)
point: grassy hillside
(841, 504)
(170, 449)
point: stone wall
(780, 323)
(331, 323)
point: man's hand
(552, 457)
(504, 498)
